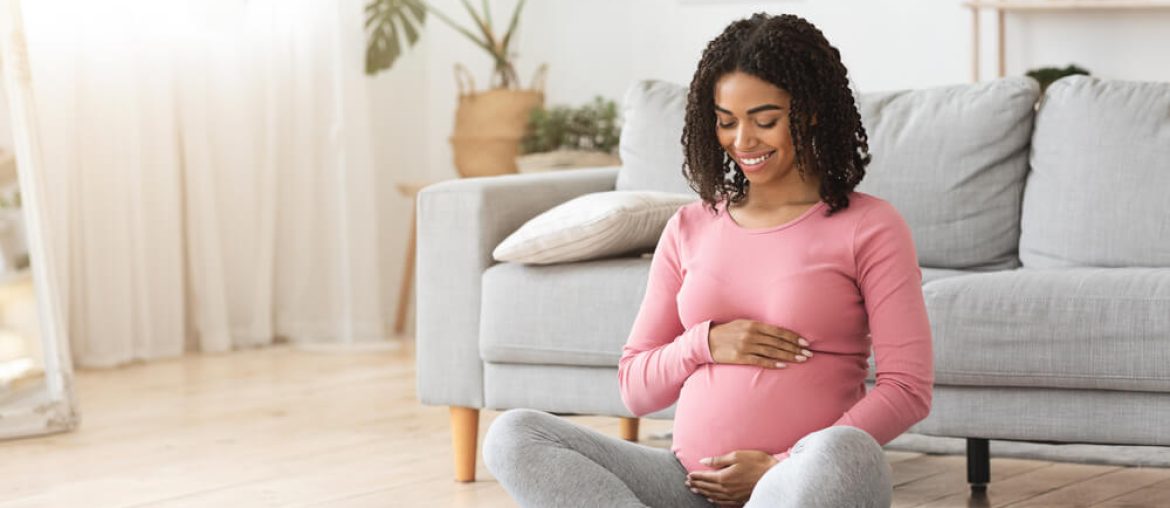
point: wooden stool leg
(464, 434)
(407, 275)
(630, 429)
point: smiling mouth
(756, 161)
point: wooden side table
(1002, 6)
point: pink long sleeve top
(846, 283)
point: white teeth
(757, 160)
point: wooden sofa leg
(630, 429)
(978, 464)
(464, 434)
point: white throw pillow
(593, 226)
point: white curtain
(209, 173)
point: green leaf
(455, 26)
(389, 23)
(419, 10)
(1047, 75)
(593, 126)
(487, 33)
(511, 27)
(411, 33)
(384, 19)
(487, 15)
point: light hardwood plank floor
(285, 427)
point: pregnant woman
(764, 301)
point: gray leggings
(543, 460)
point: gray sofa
(1042, 226)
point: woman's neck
(770, 197)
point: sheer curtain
(209, 173)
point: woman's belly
(726, 407)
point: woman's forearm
(651, 379)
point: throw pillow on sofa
(592, 226)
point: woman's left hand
(736, 475)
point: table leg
(999, 13)
(407, 273)
(975, 44)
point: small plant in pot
(489, 124)
(1047, 75)
(564, 137)
(13, 245)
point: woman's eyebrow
(757, 109)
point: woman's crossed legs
(542, 460)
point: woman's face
(752, 126)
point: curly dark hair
(792, 54)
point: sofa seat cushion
(928, 275)
(562, 389)
(1089, 328)
(932, 274)
(534, 314)
(566, 314)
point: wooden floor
(282, 427)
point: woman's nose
(745, 137)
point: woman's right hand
(748, 342)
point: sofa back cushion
(1097, 193)
(953, 160)
(651, 141)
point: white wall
(1130, 45)
(6, 140)
(401, 124)
(601, 46)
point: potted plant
(489, 124)
(565, 137)
(13, 247)
(1047, 75)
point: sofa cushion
(928, 275)
(567, 314)
(651, 138)
(594, 226)
(1050, 415)
(1100, 171)
(1091, 328)
(538, 314)
(561, 389)
(953, 160)
(932, 274)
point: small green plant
(10, 199)
(390, 23)
(1047, 75)
(592, 127)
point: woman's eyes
(768, 125)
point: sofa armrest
(459, 223)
